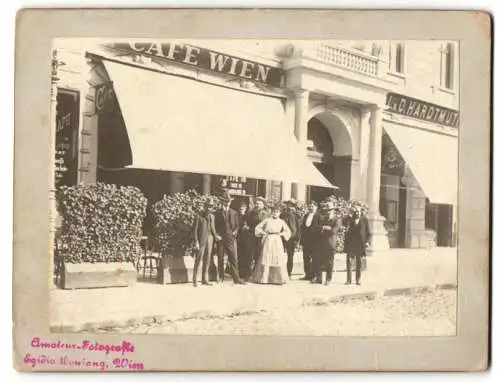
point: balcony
(351, 59)
(357, 60)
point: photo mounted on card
(287, 200)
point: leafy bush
(174, 218)
(100, 223)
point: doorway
(329, 149)
(444, 225)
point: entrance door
(444, 225)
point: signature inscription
(116, 361)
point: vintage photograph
(255, 187)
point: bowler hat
(291, 202)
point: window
(398, 58)
(447, 66)
(400, 54)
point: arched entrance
(330, 149)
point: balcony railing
(359, 62)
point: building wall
(422, 79)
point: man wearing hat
(204, 236)
(255, 216)
(356, 242)
(226, 226)
(309, 238)
(329, 226)
(292, 220)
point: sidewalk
(391, 272)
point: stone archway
(332, 148)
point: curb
(160, 319)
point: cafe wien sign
(424, 111)
(207, 59)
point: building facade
(377, 119)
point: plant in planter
(100, 234)
(174, 218)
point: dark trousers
(307, 257)
(255, 250)
(203, 255)
(324, 262)
(290, 251)
(227, 245)
(349, 259)
(330, 257)
(244, 256)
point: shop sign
(207, 59)
(63, 121)
(235, 184)
(421, 110)
(392, 161)
(104, 97)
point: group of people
(260, 243)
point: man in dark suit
(255, 216)
(244, 241)
(204, 236)
(356, 241)
(292, 220)
(309, 236)
(227, 225)
(329, 226)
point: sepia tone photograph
(288, 200)
(256, 187)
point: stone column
(206, 184)
(364, 154)
(301, 113)
(379, 240)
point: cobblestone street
(421, 314)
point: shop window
(392, 211)
(447, 66)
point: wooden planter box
(177, 270)
(97, 275)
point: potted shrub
(174, 218)
(100, 234)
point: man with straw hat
(227, 225)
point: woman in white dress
(271, 266)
